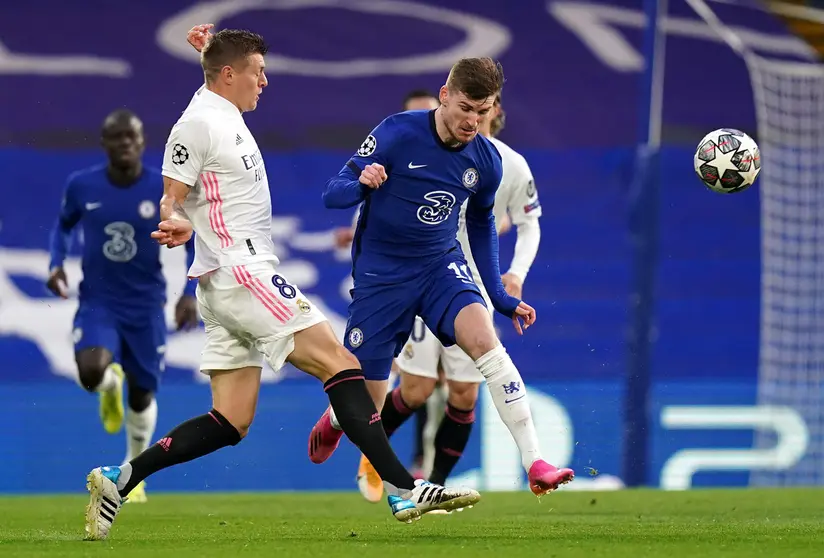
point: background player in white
(516, 203)
(215, 183)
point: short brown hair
(227, 47)
(477, 78)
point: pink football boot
(544, 478)
(324, 439)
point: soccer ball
(727, 161)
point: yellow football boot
(111, 404)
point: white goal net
(789, 102)
(790, 108)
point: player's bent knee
(415, 390)
(139, 398)
(238, 416)
(474, 332)
(91, 366)
(463, 395)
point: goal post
(643, 234)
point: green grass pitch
(781, 523)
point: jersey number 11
(461, 272)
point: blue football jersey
(413, 216)
(121, 262)
(411, 220)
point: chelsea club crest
(146, 209)
(355, 337)
(470, 178)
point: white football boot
(427, 498)
(104, 502)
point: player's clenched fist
(373, 175)
(199, 35)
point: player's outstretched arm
(60, 240)
(174, 228)
(483, 240)
(366, 170)
(351, 186)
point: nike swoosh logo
(507, 401)
(411, 166)
(93, 206)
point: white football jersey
(516, 196)
(211, 150)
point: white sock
(509, 394)
(140, 428)
(334, 420)
(110, 381)
(125, 475)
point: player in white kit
(516, 203)
(215, 184)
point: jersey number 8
(285, 289)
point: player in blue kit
(120, 327)
(413, 173)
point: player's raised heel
(427, 498)
(324, 439)
(544, 478)
(104, 502)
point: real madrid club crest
(355, 337)
(303, 306)
(470, 178)
(146, 209)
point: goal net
(789, 100)
(790, 110)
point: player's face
(123, 141)
(249, 82)
(421, 103)
(463, 115)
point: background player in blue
(119, 325)
(413, 173)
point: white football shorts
(423, 351)
(251, 312)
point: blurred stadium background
(680, 339)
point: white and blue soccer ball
(727, 161)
